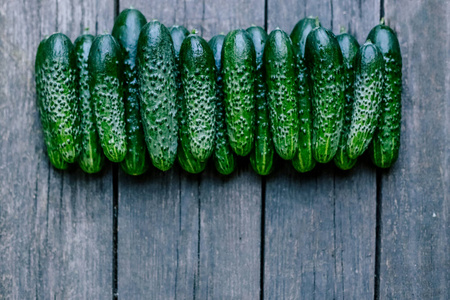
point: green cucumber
(56, 73)
(386, 141)
(106, 71)
(238, 68)
(126, 31)
(178, 33)
(198, 79)
(303, 160)
(224, 157)
(261, 157)
(54, 155)
(367, 95)
(324, 61)
(185, 158)
(349, 48)
(282, 91)
(300, 33)
(91, 158)
(158, 93)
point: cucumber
(349, 48)
(300, 33)
(178, 33)
(199, 85)
(324, 62)
(158, 93)
(224, 157)
(261, 158)
(239, 66)
(106, 71)
(185, 158)
(91, 158)
(386, 141)
(303, 160)
(279, 64)
(126, 31)
(56, 73)
(54, 155)
(367, 95)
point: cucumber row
(151, 95)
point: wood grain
(209, 18)
(55, 227)
(230, 234)
(320, 227)
(415, 226)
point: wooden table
(328, 234)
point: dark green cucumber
(300, 33)
(54, 155)
(185, 158)
(126, 31)
(178, 33)
(279, 64)
(324, 61)
(224, 157)
(303, 160)
(261, 157)
(199, 85)
(239, 65)
(56, 70)
(367, 95)
(349, 48)
(386, 141)
(106, 71)
(91, 158)
(158, 93)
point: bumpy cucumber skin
(368, 91)
(261, 158)
(279, 64)
(158, 90)
(57, 75)
(324, 62)
(199, 85)
(54, 155)
(91, 158)
(126, 31)
(349, 48)
(178, 33)
(386, 141)
(238, 69)
(303, 160)
(106, 71)
(185, 158)
(224, 157)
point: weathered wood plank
(55, 227)
(415, 226)
(157, 235)
(203, 231)
(320, 227)
(230, 235)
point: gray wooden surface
(55, 227)
(328, 234)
